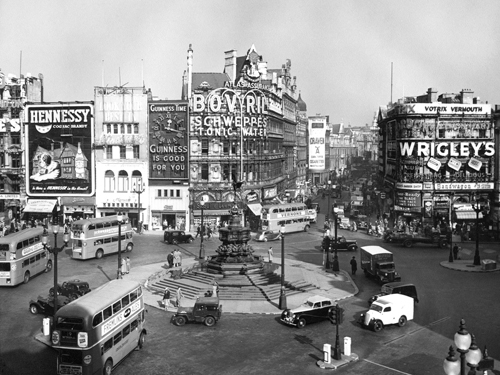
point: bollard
(46, 326)
(327, 353)
(347, 345)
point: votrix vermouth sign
(59, 143)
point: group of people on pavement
(174, 258)
(125, 266)
(167, 297)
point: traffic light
(332, 315)
(340, 315)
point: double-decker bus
(293, 216)
(94, 238)
(22, 255)
(95, 332)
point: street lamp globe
(474, 355)
(55, 228)
(451, 364)
(120, 217)
(462, 338)
(282, 230)
(45, 237)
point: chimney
(230, 64)
(466, 96)
(189, 72)
(431, 95)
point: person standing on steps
(270, 254)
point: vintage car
(267, 235)
(407, 240)
(206, 310)
(344, 222)
(45, 305)
(390, 309)
(343, 244)
(314, 309)
(72, 289)
(396, 288)
(174, 237)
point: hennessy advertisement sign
(59, 143)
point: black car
(314, 309)
(174, 237)
(343, 244)
(206, 310)
(396, 288)
(45, 305)
(72, 289)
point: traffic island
(336, 363)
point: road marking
(439, 321)
(389, 368)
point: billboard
(59, 140)
(168, 140)
(317, 135)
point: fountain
(234, 256)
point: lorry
(407, 240)
(390, 309)
(378, 262)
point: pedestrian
(127, 264)
(209, 232)
(170, 259)
(354, 265)
(215, 289)
(455, 252)
(166, 298)
(177, 258)
(178, 297)
(270, 253)
(198, 231)
(123, 267)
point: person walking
(166, 299)
(170, 259)
(198, 231)
(127, 265)
(178, 297)
(123, 267)
(270, 254)
(455, 252)
(354, 265)
(209, 232)
(215, 289)
(177, 258)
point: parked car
(390, 309)
(313, 309)
(396, 288)
(71, 289)
(206, 310)
(45, 305)
(174, 237)
(344, 223)
(267, 235)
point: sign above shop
(464, 186)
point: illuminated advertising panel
(59, 140)
(317, 135)
(168, 140)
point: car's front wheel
(48, 267)
(175, 242)
(209, 321)
(301, 323)
(33, 309)
(407, 243)
(265, 239)
(130, 247)
(190, 239)
(180, 320)
(378, 326)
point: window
(204, 146)
(204, 171)
(115, 128)
(109, 181)
(117, 306)
(136, 151)
(97, 319)
(123, 181)
(109, 152)
(66, 160)
(123, 152)
(126, 331)
(133, 296)
(107, 345)
(107, 312)
(117, 338)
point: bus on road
(293, 216)
(94, 238)
(95, 332)
(22, 256)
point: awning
(40, 206)
(211, 213)
(256, 208)
(468, 215)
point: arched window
(137, 180)
(123, 181)
(109, 181)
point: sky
(349, 57)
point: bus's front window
(72, 324)
(4, 267)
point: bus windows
(108, 240)
(107, 312)
(91, 226)
(99, 226)
(134, 324)
(125, 301)
(117, 306)
(107, 345)
(133, 296)
(73, 324)
(117, 338)
(38, 257)
(4, 267)
(126, 331)
(97, 319)
(26, 263)
(32, 260)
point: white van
(390, 309)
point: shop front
(39, 211)
(215, 214)
(168, 218)
(75, 208)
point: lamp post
(54, 250)
(329, 194)
(202, 232)
(450, 257)
(335, 264)
(119, 271)
(477, 208)
(139, 189)
(282, 302)
(470, 354)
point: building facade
(437, 160)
